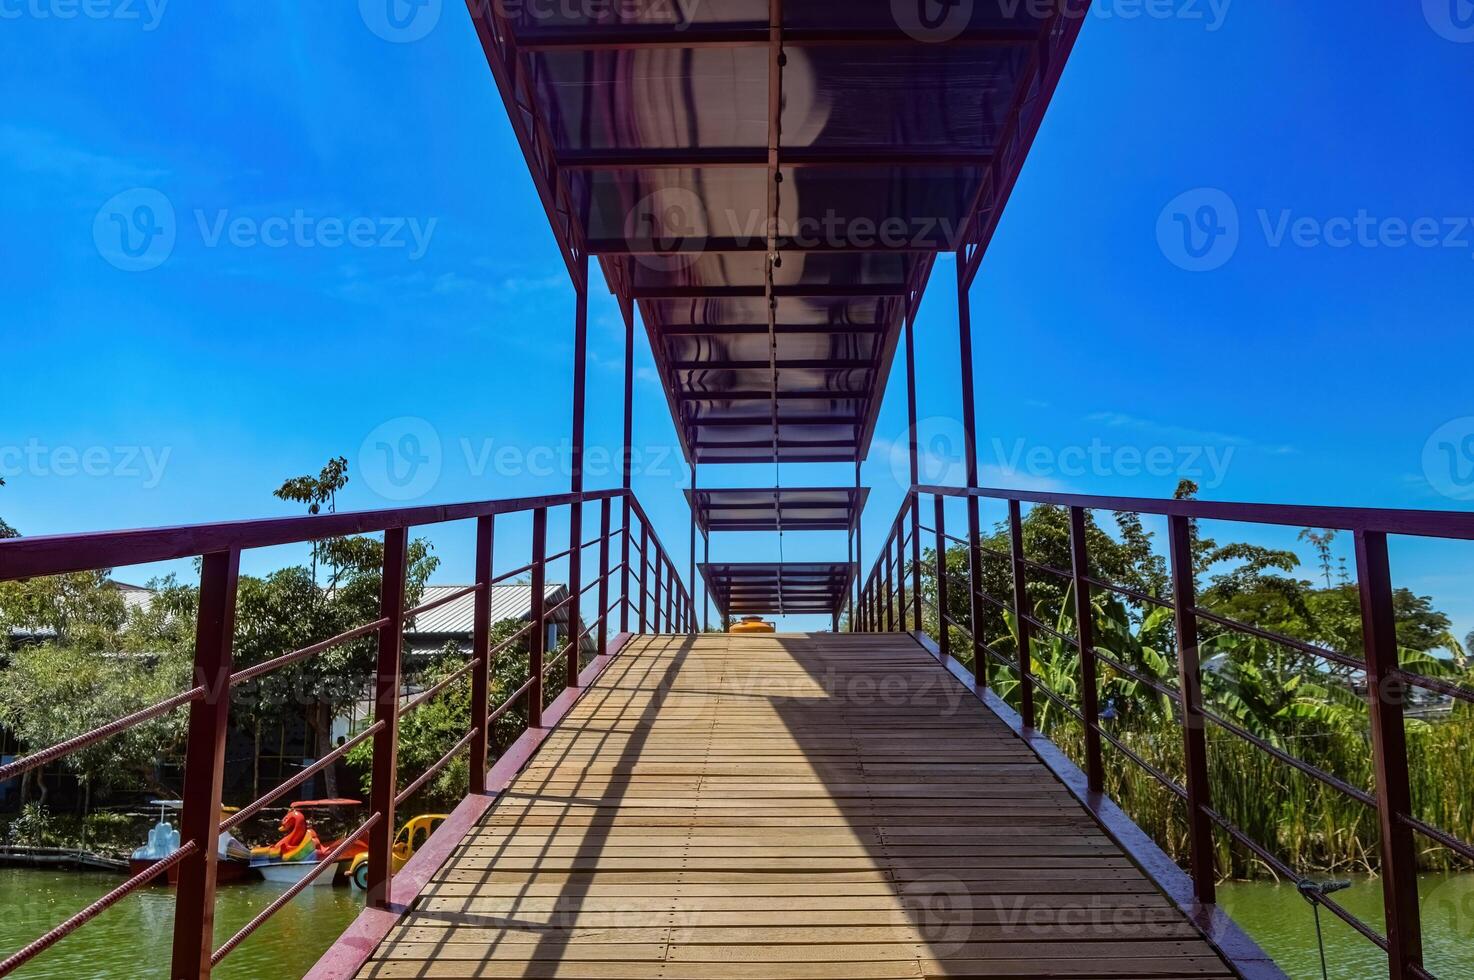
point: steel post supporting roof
(771, 180)
(778, 508)
(778, 588)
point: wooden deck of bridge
(792, 806)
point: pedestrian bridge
(786, 806)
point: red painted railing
(887, 602)
(219, 546)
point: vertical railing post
(656, 609)
(481, 651)
(1085, 636)
(204, 766)
(918, 622)
(538, 614)
(944, 639)
(1190, 691)
(889, 596)
(625, 572)
(644, 571)
(1386, 694)
(575, 593)
(1021, 613)
(604, 520)
(705, 593)
(901, 575)
(974, 591)
(670, 596)
(387, 676)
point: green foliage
(52, 693)
(1301, 704)
(6, 531)
(432, 729)
(80, 610)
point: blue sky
(1320, 361)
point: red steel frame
(219, 546)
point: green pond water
(1281, 922)
(133, 938)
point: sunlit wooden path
(792, 806)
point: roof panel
(780, 588)
(781, 508)
(713, 202)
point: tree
(317, 492)
(6, 531)
(1322, 541)
(52, 692)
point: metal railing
(883, 604)
(219, 548)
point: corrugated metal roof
(456, 618)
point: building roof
(456, 618)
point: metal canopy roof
(781, 588)
(778, 509)
(770, 182)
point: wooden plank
(812, 807)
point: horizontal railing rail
(219, 547)
(881, 604)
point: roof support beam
(813, 290)
(611, 38)
(721, 329)
(757, 158)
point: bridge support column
(970, 448)
(575, 459)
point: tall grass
(1312, 827)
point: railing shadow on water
(650, 592)
(892, 595)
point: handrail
(220, 546)
(881, 605)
